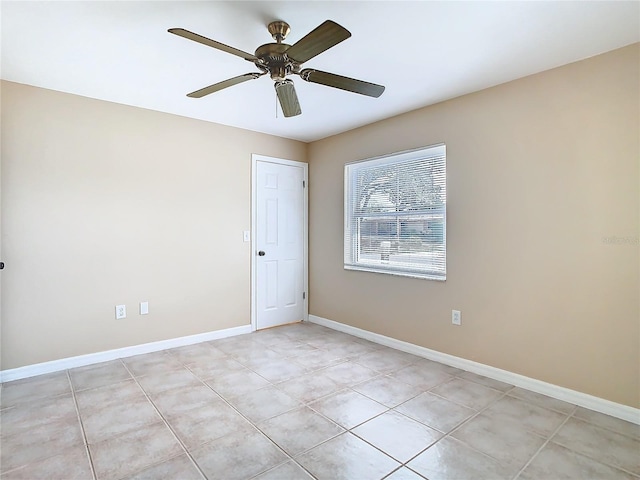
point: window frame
(351, 247)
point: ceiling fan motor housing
(272, 58)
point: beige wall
(104, 204)
(540, 170)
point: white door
(279, 247)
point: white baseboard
(585, 400)
(91, 358)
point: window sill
(396, 272)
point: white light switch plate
(246, 236)
(144, 308)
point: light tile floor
(299, 402)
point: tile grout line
(608, 429)
(354, 358)
(84, 435)
(289, 457)
(184, 448)
(486, 407)
(303, 404)
(350, 430)
(254, 425)
(458, 426)
(601, 461)
(388, 409)
(544, 444)
(461, 424)
(568, 416)
(548, 439)
(307, 404)
(26, 465)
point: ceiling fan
(280, 60)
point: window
(395, 214)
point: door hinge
(304, 295)
(303, 184)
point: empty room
(333, 240)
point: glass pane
(401, 187)
(416, 242)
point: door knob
(261, 253)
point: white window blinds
(395, 214)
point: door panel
(271, 222)
(280, 235)
(271, 287)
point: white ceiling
(423, 52)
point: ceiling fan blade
(224, 84)
(317, 41)
(181, 32)
(288, 98)
(343, 83)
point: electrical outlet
(121, 312)
(144, 308)
(456, 317)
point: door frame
(255, 158)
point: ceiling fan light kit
(288, 98)
(280, 60)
